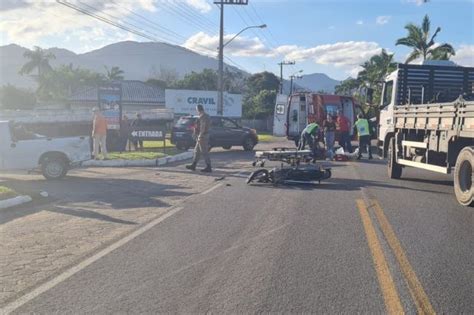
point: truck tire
(463, 172)
(54, 168)
(393, 168)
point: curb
(137, 163)
(16, 201)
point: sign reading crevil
(185, 101)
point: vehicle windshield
(387, 93)
(235, 157)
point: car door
(216, 132)
(234, 135)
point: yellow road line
(416, 289)
(386, 283)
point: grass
(266, 137)
(6, 193)
(157, 144)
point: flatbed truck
(435, 135)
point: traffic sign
(148, 134)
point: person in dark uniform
(202, 141)
(138, 143)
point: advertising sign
(110, 103)
(185, 101)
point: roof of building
(133, 91)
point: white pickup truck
(24, 150)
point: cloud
(417, 2)
(464, 56)
(346, 55)
(201, 5)
(360, 22)
(240, 46)
(30, 21)
(383, 19)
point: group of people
(312, 134)
(99, 133)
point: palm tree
(114, 74)
(422, 47)
(374, 71)
(376, 68)
(38, 59)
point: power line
(187, 18)
(266, 29)
(200, 17)
(125, 22)
(105, 20)
(125, 28)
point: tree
(423, 46)
(262, 81)
(113, 74)
(374, 71)
(260, 105)
(157, 82)
(168, 75)
(59, 83)
(38, 59)
(12, 97)
(260, 95)
(347, 87)
(205, 80)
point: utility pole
(294, 76)
(281, 64)
(220, 79)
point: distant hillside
(139, 61)
(317, 81)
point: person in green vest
(363, 131)
(308, 136)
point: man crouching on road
(202, 141)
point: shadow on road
(112, 193)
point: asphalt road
(355, 243)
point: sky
(326, 36)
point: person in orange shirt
(99, 134)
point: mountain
(316, 82)
(138, 60)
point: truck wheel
(394, 169)
(463, 177)
(54, 168)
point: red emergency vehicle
(304, 108)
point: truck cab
(22, 149)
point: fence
(259, 124)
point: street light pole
(220, 78)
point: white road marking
(73, 270)
(211, 189)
